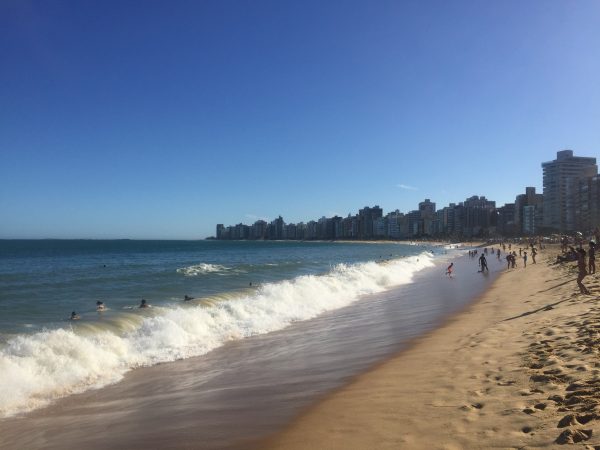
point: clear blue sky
(160, 119)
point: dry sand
(517, 369)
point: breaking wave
(39, 368)
(201, 269)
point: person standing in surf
(449, 270)
(483, 263)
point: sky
(159, 119)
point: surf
(37, 369)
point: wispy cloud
(407, 187)
(254, 217)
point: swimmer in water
(144, 304)
(187, 298)
(74, 316)
(100, 306)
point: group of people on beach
(511, 256)
(579, 254)
(570, 254)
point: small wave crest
(201, 269)
(39, 368)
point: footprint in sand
(573, 436)
(574, 420)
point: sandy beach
(517, 369)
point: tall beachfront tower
(561, 178)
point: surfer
(100, 306)
(144, 304)
(74, 316)
(187, 298)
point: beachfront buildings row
(473, 217)
(570, 202)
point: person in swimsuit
(582, 270)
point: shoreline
(515, 368)
(245, 383)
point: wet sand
(518, 369)
(236, 395)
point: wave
(201, 269)
(39, 368)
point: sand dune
(518, 369)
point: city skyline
(569, 203)
(159, 121)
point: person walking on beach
(483, 263)
(582, 270)
(524, 259)
(533, 253)
(592, 258)
(449, 270)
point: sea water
(240, 289)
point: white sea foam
(201, 269)
(39, 368)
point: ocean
(278, 323)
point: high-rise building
(220, 230)
(394, 224)
(259, 229)
(588, 204)
(427, 210)
(366, 218)
(477, 215)
(561, 183)
(506, 220)
(534, 218)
